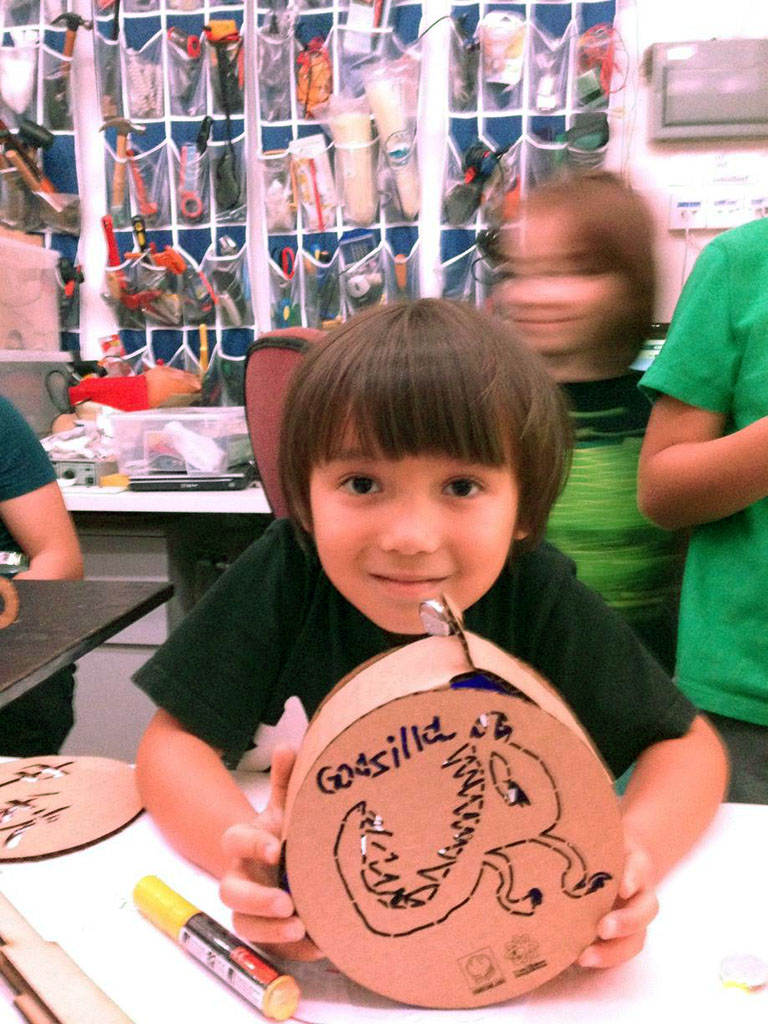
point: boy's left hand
(621, 933)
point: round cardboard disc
(454, 847)
(52, 804)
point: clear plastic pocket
(275, 41)
(285, 296)
(18, 209)
(229, 184)
(277, 189)
(457, 280)
(464, 70)
(185, 73)
(543, 160)
(117, 189)
(191, 170)
(401, 274)
(322, 294)
(144, 78)
(362, 282)
(57, 90)
(18, 77)
(18, 13)
(549, 63)
(228, 276)
(356, 181)
(148, 177)
(314, 182)
(226, 75)
(109, 76)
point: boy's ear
(521, 531)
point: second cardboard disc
(56, 803)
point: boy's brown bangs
(410, 402)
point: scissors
(285, 258)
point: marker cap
(281, 998)
(165, 908)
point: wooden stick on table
(50, 988)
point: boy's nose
(411, 527)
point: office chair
(269, 364)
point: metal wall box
(709, 89)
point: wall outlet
(727, 208)
(758, 206)
(687, 211)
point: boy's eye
(360, 485)
(463, 487)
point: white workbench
(251, 500)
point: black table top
(61, 620)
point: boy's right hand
(263, 913)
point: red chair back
(269, 365)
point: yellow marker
(203, 331)
(241, 966)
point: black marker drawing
(398, 889)
(18, 816)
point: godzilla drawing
(398, 887)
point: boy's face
(393, 533)
(560, 306)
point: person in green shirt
(579, 285)
(704, 465)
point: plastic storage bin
(29, 299)
(196, 441)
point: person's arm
(203, 814)
(672, 795)
(690, 473)
(188, 791)
(41, 526)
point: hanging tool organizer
(337, 106)
(171, 77)
(39, 175)
(528, 97)
(271, 164)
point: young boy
(579, 287)
(422, 447)
(704, 465)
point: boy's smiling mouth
(406, 582)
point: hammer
(33, 135)
(17, 155)
(123, 127)
(73, 23)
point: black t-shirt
(274, 627)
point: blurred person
(578, 282)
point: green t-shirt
(632, 564)
(716, 358)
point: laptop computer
(235, 479)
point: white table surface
(714, 904)
(112, 499)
